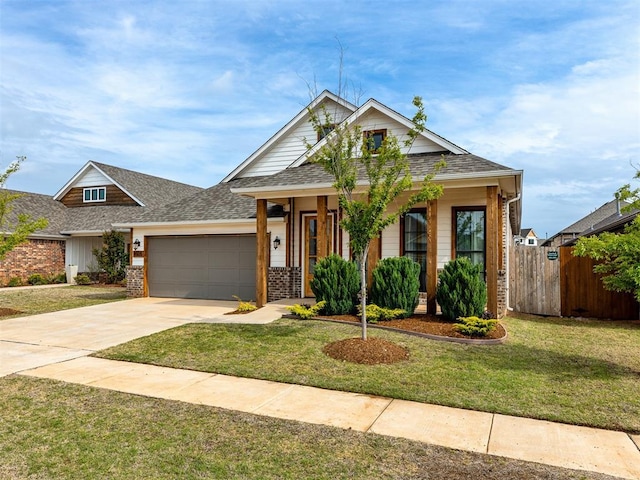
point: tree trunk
(363, 291)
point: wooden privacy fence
(551, 281)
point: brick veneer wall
(135, 281)
(284, 282)
(45, 257)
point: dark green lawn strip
(55, 430)
(578, 372)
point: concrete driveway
(34, 341)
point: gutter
(508, 293)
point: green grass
(32, 301)
(55, 430)
(582, 372)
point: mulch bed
(375, 351)
(422, 323)
(5, 312)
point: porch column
(432, 255)
(492, 235)
(375, 253)
(323, 234)
(261, 253)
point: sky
(188, 90)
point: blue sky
(187, 90)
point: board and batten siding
(92, 178)
(79, 251)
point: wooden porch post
(375, 253)
(432, 255)
(323, 235)
(261, 252)
(493, 229)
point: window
(373, 139)
(414, 241)
(469, 234)
(95, 194)
(325, 130)
(531, 241)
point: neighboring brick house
(96, 197)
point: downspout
(509, 308)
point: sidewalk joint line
(637, 445)
(391, 400)
(493, 417)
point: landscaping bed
(429, 325)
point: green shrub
(336, 281)
(14, 282)
(36, 279)
(376, 313)
(396, 284)
(475, 327)
(461, 291)
(83, 279)
(56, 278)
(112, 258)
(305, 312)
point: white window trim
(90, 189)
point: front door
(311, 248)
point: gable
(374, 119)
(288, 144)
(86, 182)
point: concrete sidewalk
(581, 448)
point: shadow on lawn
(556, 365)
(579, 322)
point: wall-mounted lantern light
(136, 244)
(276, 243)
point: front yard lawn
(55, 430)
(32, 301)
(583, 372)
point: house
(260, 231)
(614, 223)
(526, 237)
(607, 214)
(86, 206)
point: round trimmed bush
(396, 284)
(461, 290)
(336, 281)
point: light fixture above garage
(276, 243)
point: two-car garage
(208, 266)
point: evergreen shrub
(396, 284)
(461, 290)
(336, 281)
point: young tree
(15, 229)
(618, 253)
(368, 181)
(112, 257)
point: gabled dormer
(377, 121)
(92, 186)
(288, 144)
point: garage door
(214, 267)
